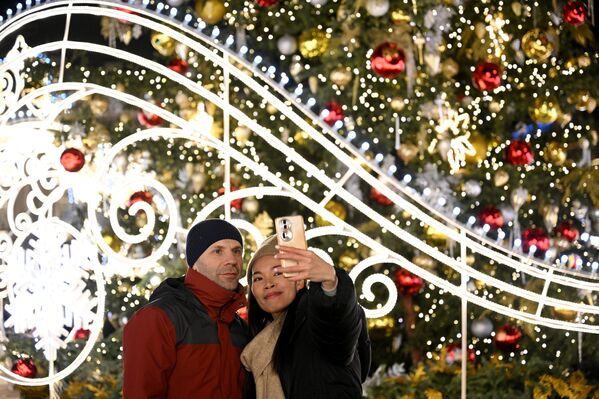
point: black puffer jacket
(330, 346)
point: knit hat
(206, 233)
(267, 248)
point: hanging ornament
(491, 215)
(536, 45)
(211, 11)
(341, 76)
(454, 354)
(266, 3)
(564, 313)
(82, 334)
(144, 196)
(98, 105)
(555, 153)
(481, 327)
(287, 44)
(251, 206)
(407, 152)
(236, 203)
(72, 160)
(472, 188)
(164, 44)
(408, 284)
(348, 259)
(575, 13)
(519, 153)
(399, 16)
(377, 8)
(24, 368)
(544, 110)
(537, 237)
(388, 60)
(424, 261)
(449, 68)
(336, 208)
(501, 178)
(313, 43)
(379, 197)
(317, 2)
(480, 145)
(178, 65)
(487, 76)
(507, 338)
(397, 104)
(583, 101)
(175, 3)
(333, 113)
(550, 213)
(242, 134)
(567, 231)
(435, 237)
(148, 119)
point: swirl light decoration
(106, 187)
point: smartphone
(290, 233)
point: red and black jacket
(186, 342)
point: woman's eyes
(256, 279)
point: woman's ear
(299, 285)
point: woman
(308, 342)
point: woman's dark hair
(258, 319)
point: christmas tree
(480, 114)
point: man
(187, 341)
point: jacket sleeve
(149, 354)
(335, 322)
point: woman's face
(273, 291)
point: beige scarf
(257, 358)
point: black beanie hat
(206, 233)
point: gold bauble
(341, 76)
(584, 61)
(113, 242)
(501, 178)
(348, 259)
(407, 152)
(536, 45)
(481, 146)
(449, 68)
(583, 101)
(313, 43)
(98, 105)
(424, 261)
(495, 106)
(435, 237)
(399, 16)
(301, 137)
(164, 44)
(336, 208)
(544, 110)
(564, 313)
(211, 11)
(271, 109)
(397, 104)
(381, 326)
(242, 134)
(555, 153)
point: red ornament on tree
(25, 368)
(145, 196)
(535, 236)
(567, 231)
(178, 65)
(335, 113)
(575, 13)
(507, 338)
(454, 354)
(266, 3)
(388, 60)
(407, 283)
(487, 76)
(72, 160)
(379, 197)
(236, 203)
(149, 120)
(82, 334)
(519, 153)
(492, 216)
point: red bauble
(243, 313)
(379, 197)
(454, 354)
(407, 283)
(178, 65)
(145, 196)
(335, 113)
(82, 334)
(25, 368)
(492, 216)
(388, 60)
(575, 13)
(72, 160)
(236, 203)
(507, 338)
(566, 230)
(519, 153)
(535, 236)
(487, 76)
(149, 120)
(266, 3)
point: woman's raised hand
(309, 267)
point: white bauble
(175, 3)
(318, 2)
(287, 44)
(472, 188)
(481, 328)
(377, 8)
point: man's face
(222, 263)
